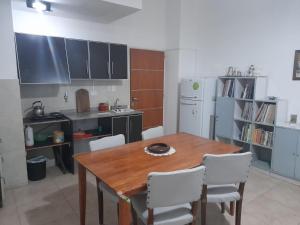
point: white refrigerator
(197, 105)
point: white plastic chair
(172, 198)
(106, 142)
(225, 180)
(153, 133)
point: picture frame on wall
(296, 73)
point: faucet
(116, 102)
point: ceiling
(104, 11)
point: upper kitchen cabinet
(78, 58)
(118, 60)
(41, 59)
(99, 60)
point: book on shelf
(266, 113)
(228, 89)
(247, 93)
(246, 133)
(262, 137)
(247, 111)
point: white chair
(106, 142)
(153, 133)
(172, 198)
(225, 180)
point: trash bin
(36, 168)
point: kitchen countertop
(72, 115)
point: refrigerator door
(191, 117)
(191, 89)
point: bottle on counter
(29, 141)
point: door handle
(112, 67)
(133, 99)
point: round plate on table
(158, 148)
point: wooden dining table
(125, 168)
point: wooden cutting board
(82, 101)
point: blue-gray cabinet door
(284, 151)
(297, 167)
(224, 117)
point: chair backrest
(153, 133)
(227, 168)
(107, 142)
(173, 188)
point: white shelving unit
(254, 97)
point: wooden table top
(125, 168)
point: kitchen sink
(120, 110)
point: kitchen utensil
(38, 109)
(82, 101)
(29, 141)
(158, 148)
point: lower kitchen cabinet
(286, 152)
(131, 126)
(120, 126)
(135, 128)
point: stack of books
(266, 113)
(247, 111)
(247, 93)
(262, 137)
(228, 89)
(246, 133)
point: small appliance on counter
(103, 107)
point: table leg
(124, 212)
(82, 192)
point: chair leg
(223, 207)
(100, 203)
(238, 212)
(239, 204)
(231, 212)
(134, 216)
(118, 211)
(203, 204)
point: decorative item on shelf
(293, 119)
(103, 107)
(230, 71)
(272, 98)
(251, 71)
(58, 137)
(296, 72)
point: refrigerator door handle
(189, 97)
(182, 103)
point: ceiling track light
(41, 6)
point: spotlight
(41, 6)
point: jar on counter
(58, 137)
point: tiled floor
(54, 201)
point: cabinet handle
(112, 67)
(187, 104)
(87, 67)
(108, 68)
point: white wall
(145, 29)
(8, 68)
(11, 125)
(264, 33)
